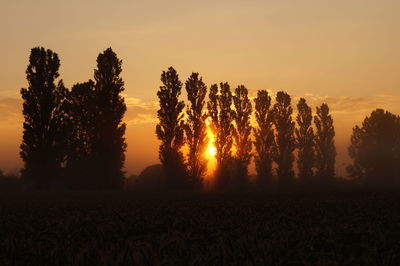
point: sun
(212, 151)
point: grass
(109, 228)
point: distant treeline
(274, 136)
(75, 137)
(375, 147)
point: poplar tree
(285, 141)
(222, 116)
(196, 129)
(264, 137)
(109, 144)
(243, 111)
(170, 129)
(43, 147)
(305, 141)
(82, 111)
(324, 143)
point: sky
(344, 52)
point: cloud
(344, 104)
(10, 111)
(356, 105)
(140, 111)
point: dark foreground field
(103, 228)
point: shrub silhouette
(152, 178)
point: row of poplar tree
(274, 136)
(73, 137)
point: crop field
(110, 228)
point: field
(109, 228)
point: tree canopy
(375, 149)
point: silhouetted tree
(264, 137)
(195, 128)
(305, 141)
(43, 147)
(170, 129)
(375, 149)
(82, 111)
(243, 110)
(324, 143)
(285, 141)
(222, 116)
(109, 145)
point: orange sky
(345, 53)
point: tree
(285, 142)
(109, 145)
(324, 143)
(243, 110)
(82, 111)
(43, 147)
(195, 128)
(375, 149)
(305, 141)
(170, 129)
(222, 116)
(264, 137)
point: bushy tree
(43, 147)
(324, 143)
(285, 141)
(243, 110)
(222, 116)
(196, 129)
(264, 137)
(82, 112)
(109, 145)
(375, 149)
(170, 129)
(305, 141)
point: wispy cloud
(10, 111)
(140, 111)
(355, 105)
(344, 104)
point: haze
(345, 53)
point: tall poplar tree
(109, 145)
(305, 141)
(285, 141)
(82, 111)
(264, 137)
(195, 128)
(170, 129)
(243, 111)
(43, 147)
(324, 143)
(220, 110)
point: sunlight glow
(212, 151)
